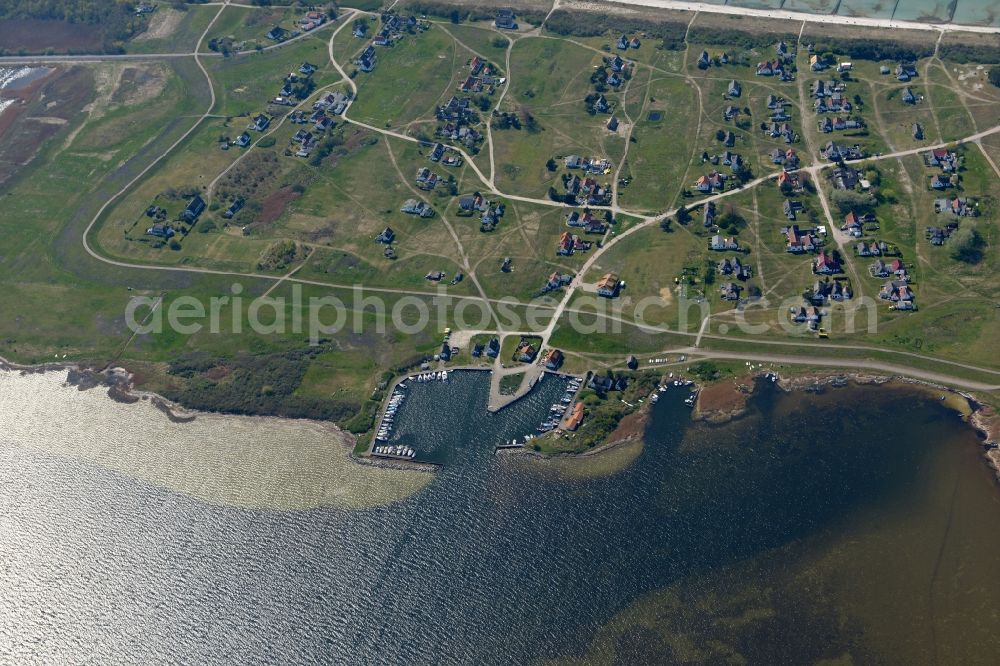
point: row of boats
(558, 409)
(395, 451)
(689, 401)
(514, 444)
(441, 376)
(395, 402)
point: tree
(994, 76)
(551, 165)
(665, 225)
(966, 245)
(683, 216)
(720, 135)
(732, 222)
(847, 201)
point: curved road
(813, 169)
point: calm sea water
(859, 524)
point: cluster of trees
(456, 13)
(115, 18)
(731, 222)
(254, 384)
(566, 198)
(965, 53)
(849, 200)
(994, 76)
(592, 24)
(869, 49)
(591, 102)
(738, 39)
(705, 370)
(966, 245)
(503, 120)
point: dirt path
(645, 221)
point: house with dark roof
(791, 207)
(193, 210)
(730, 291)
(941, 182)
(160, 230)
(505, 19)
(234, 208)
(905, 72)
(367, 60)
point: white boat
(654, 398)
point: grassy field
(412, 78)
(173, 31)
(246, 82)
(550, 79)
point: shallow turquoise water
(965, 12)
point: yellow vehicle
(822, 334)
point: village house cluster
(490, 212)
(588, 222)
(782, 66)
(458, 117)
(483, 77)
(309, 21)
(947, 164)
(394, 28)
(165, 230)
(446, 156)
(586, 191)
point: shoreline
(983, 417)
(120, 389)
(807, 17)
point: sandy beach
(802, 16)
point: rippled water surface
(859, 524)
